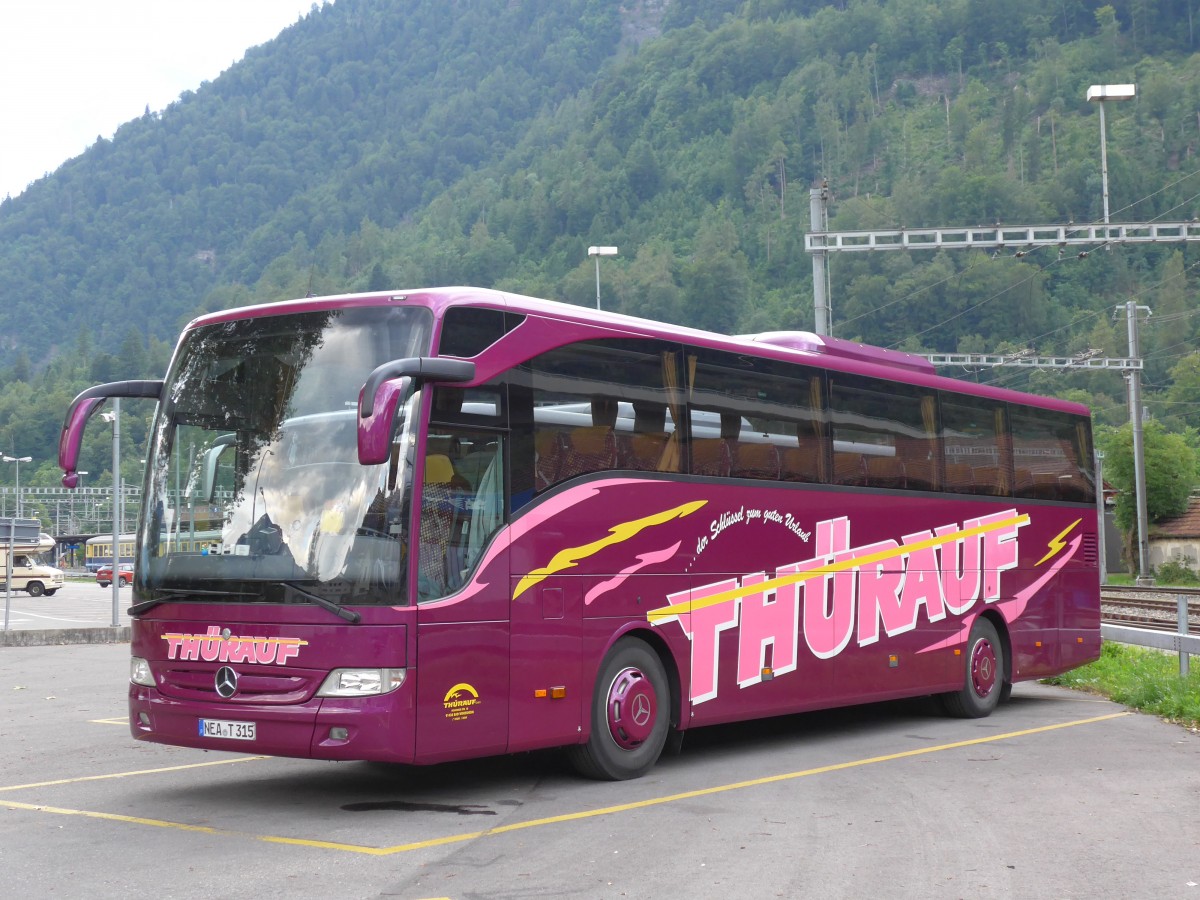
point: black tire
(631, 715)
(35, 588)
(983, 681)
(124, 581)
(51, 593)
(104, 584)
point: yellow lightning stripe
(1057, 543)
(666, 612)
(568, 558)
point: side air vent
(1091, 554)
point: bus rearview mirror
(382, 392)
(81, 409)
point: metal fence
(65, 511)
(1180, 641)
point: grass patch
(1143, 678)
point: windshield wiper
(340, 611)
(162, 595)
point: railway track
(1122, 607)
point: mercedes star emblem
(641, 709)
(226, 682)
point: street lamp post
(78, 484)
(1100, 94)
(598, 252)
(18, 460)
(114, 418)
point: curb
(52, 637)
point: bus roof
(793, 346)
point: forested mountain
(379, 144)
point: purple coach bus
(427, 526)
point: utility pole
(1134, 379)
(818, 210)
(1100, 509)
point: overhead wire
(1010, 376)
(1041, 266)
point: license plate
(222, 728)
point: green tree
(715, 280)
(1181, 401)
(1170, 472)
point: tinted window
(884, 433)
(1052, 456)
(467, 331)
(975, 445)
(604, 405)
(755, 418)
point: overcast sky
(74, 69)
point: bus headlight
(139, 672)
(361, 682)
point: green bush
(1144, 679)
(1176, 572)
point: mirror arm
(81, 409)
(419, 368)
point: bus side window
(714, 441)
(711, 456)
(975, 446)
(756, 461)
(590, 448)
(801, 463)
(755, 418)
(848, 468)
(599, 406)
(645, 450)
(547, 448)
(892, 426)
(459, 514)
(1052, 455)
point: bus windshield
(254, 489)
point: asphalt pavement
(81, 612)
(1056, 795)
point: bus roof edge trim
(808, 342)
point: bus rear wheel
(984, 682)
(630, 715)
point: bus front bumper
(377, 728)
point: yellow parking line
(215, 762)
(113, 817)
(120, 720)
(530, 823)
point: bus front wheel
(630, 715)
(36, 589)
(984, 683)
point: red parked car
(124, 575)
